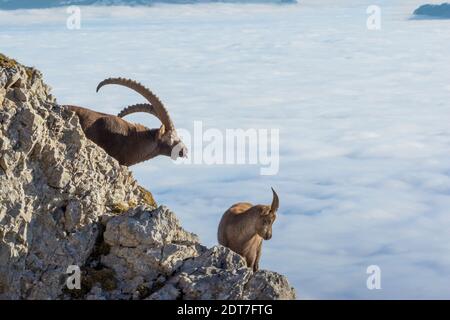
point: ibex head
(169, 143)
(268, 215)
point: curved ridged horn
(161, 111)
(275, 202)
(141, 107)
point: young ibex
(127, 142)
(244, 226)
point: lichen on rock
(6, 62)
(64, 201)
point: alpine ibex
(127, 142)
(244, 226)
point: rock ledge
(64, 202)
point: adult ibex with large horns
(244, 226)
(127, 142)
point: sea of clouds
(42, 4)
(363, 117)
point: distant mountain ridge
(434, 10)
(41, 4)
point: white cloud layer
(363, 116)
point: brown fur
(244, 226)
(127, 142)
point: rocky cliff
(64, 202)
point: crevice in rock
(93, 271)
(101, 248)
(246, 284)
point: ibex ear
(162, 130)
